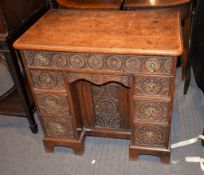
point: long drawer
(101, 62)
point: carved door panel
(106, 106)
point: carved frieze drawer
(49, 104)
(152, 86)
(150, 135)
(58, 126)
(47, 79)
(98, 78)
(151, 110)
(100, 62)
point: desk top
(142, 32)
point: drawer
(45, 59)
(152, 110)
(150, 135)
(57, 126)
(49, 104)
(102, 62)
(153, 86)
(47, 79)
(150, 64)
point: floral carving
(95, 62)
(152, 110)
(152, 86)
(150, 135)
(114, 62)
(106, 106)
(59, 60)
(152, 65)
(45, 79)
(58, 126)
(77, 61)
(168, 66)
(133, 64)
(101, 62)
(53, 104)
(41, 60)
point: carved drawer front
(150, 135)
(152, 86)
(98, 78)
(52, 104)
(151, 110)
(46, 79)
(149, 64)
(58, 126)
(116, 63)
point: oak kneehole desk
(104, 73)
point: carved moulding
(118, 63)
(98, 79)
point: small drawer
(58, 126)
(45, 59)
(151, 110)
(47, 79)
(150, 135)
(152, 86)
(149, 64)
(49, 104)
(37, 58)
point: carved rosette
(150, 135)
(41, 60)
(53, 104)
(46, 79)
(133, 64)
(77, 61)
(152, 86)
(114, 63)
(59, 60)
(168, 66)
(95, 62)
(101, 62)
(152, 65)
(106, 105)
(58, 126)
(152, 110)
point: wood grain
(121, 32)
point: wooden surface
(155, 3)
(90, 4)
(121, 32)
